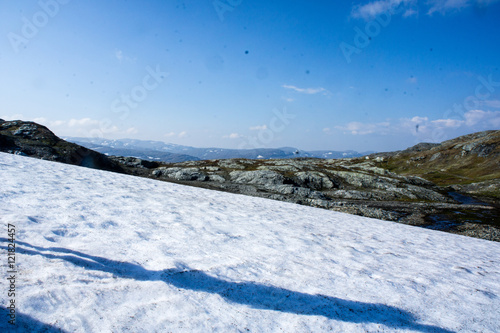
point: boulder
(216, 178)
(314, 180)
(181, 173)
(257, 177)
(359, 179)
(134, 162)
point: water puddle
(466, 200)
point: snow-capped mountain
(104, 252)
(157, 150)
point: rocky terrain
(31, 139)
(356, 186)
(452, 186)
(469, 163)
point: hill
(35, 140)
(470, 159)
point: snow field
(104, 252)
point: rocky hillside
(470, 163)
(32, 139)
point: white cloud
(182, 134)
(83, 122)
(131, 130)
(410, 12)
(428, 130)
(169, 134)
(409, 8)
(358, 128)
(258, 128)
(16, 116)
(483, 118)
(232, 136)
(372, 9)
(447, 123)
(444, 6)
(309, 91)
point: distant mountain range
(167, 152)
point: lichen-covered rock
(180, 173)
(231, 164)
(216, 178)
(364, 180)
(258, 177)
(135, 162)
(435, 157)
(282, 168)
(314, 180)
(211, 168)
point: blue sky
(363, 75)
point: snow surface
(104, 252)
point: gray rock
(180, 173)
(353, 194)
(16, 152)
(358, 179)
(26, 130)
(231, 164)
(282, 168)
(211, 168)
(435, 157)
(216, 178)
(490, 186)
(135, 162)
(314, 180)
(258, 177)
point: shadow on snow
(24, 323)
(255, 295)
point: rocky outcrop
(35, 140)
(466, 159)
(259, 177)
(188, 174)
(315, 180)
(134, 162)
